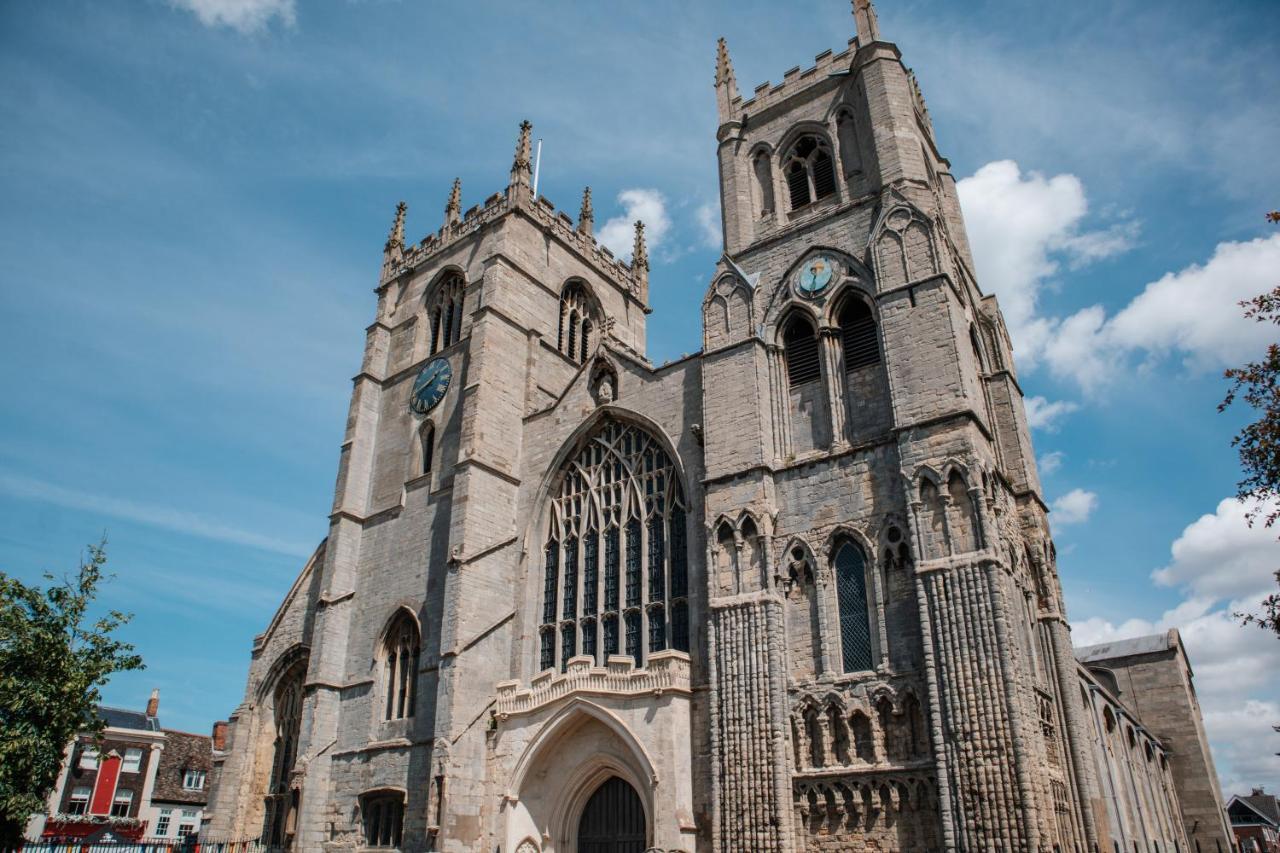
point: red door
(104, 788)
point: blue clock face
(815, 275)
(430, 386)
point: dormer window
(809, 171)
(193, 779)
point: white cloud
(1024, 227)
(165, 517)
(1220, 555)
(647, 205)
(1216, 560)
(708, 216)
(1021, 228)
(1051, 462)
(1041, 414)
(1073, 508)
(247, 16)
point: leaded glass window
(620, 502)
(851, 591)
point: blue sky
(194, 195)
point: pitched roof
(1263, 804)
(183, 751)
(120, 718)
(1150, 644)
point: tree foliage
(1257, 384)
(53, 658)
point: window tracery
(809, 171)
(619, 499)
(576, 322)
(400, 668)
(446, 313)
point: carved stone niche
(604, 383)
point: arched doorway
(613, 821)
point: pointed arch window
(400, 668)
(800, 351)
(851, 592)
(620, 503)
(287, 717)
(858, 337)
(809, 170)
(577, 310)
(446, 313)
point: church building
(794, 592)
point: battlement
(543, 211)
(767, 95)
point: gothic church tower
(795, 592)
(888, 653)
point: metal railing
(190, 844)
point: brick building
(796, 591)
(139, 781)
(1255, 820)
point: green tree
(53, 658)
(1258, 385)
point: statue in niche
(605, 388)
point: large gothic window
(576, 322)
(446, 313)
(615, 573)
(281, 802)
(400, 668)
(851, 592)
(809, 171)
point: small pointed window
(800, 351)
(428, 442)
(400, 668)
(446, 313)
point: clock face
(430, 386)
(815, 275)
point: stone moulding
(667, 671)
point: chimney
(1258, 792)
(153, 704)
(220, 736)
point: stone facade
(796, 591)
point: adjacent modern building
(138, 781)
(1255, 820)
(794, 592)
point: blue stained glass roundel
(430, 386)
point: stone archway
(613, 820)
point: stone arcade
(794, 592)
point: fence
(145, 845)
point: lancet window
(858, 337)
(446, 313)
(400, 669)
(577, 322)
(809, 171)
(851, 592)
(800, 351)
(619, 504)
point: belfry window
(619, 502)
(800, 351)
(446, 313)
(809, 170)
(576, 326)
(858, 336)
(851, 592)
(400, 668)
